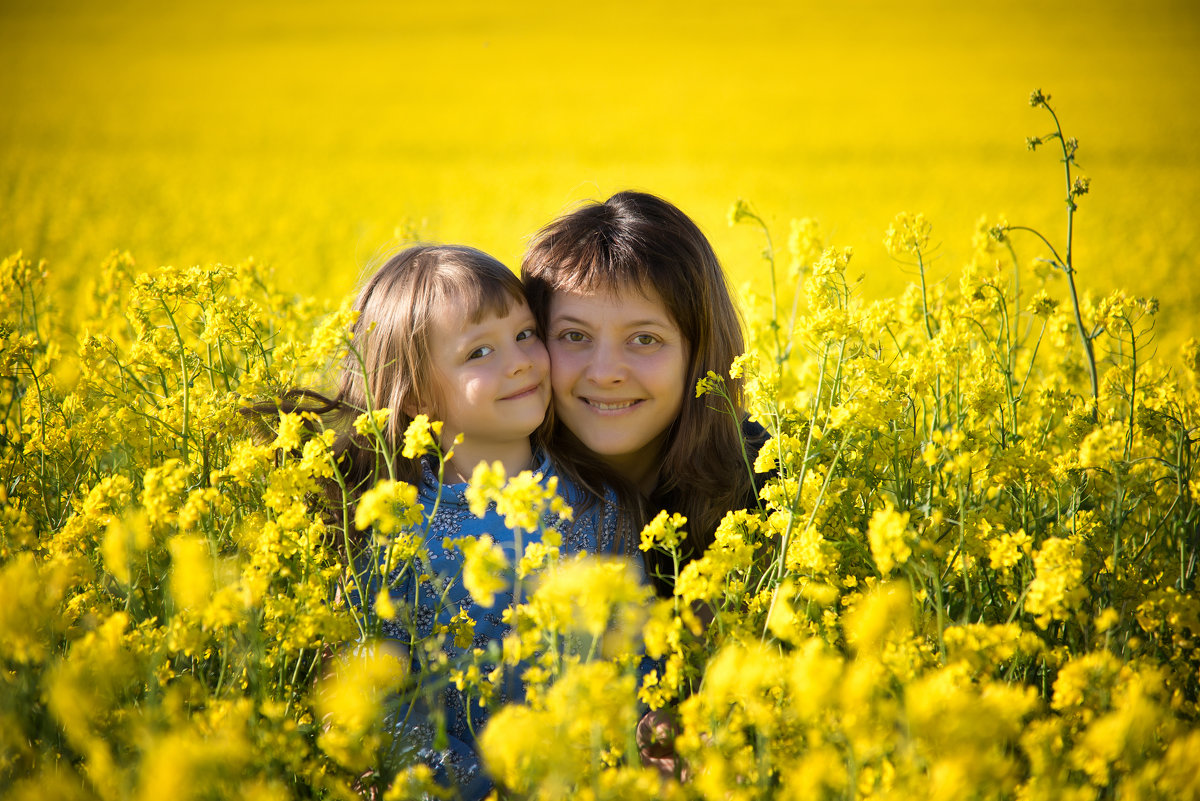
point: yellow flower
(247, 461)
(1057, 585)
(486, 482)
(740, 210)
(388, 507)
(880, 614)
(553, 748)
(782, 620)
(587, 595)
(372, 423)
(415, 781)
(804, 244)
(461, 629)
(484, 568)
(162, 490)
(317, 457)
(384, 606)
(421, 437)
(663, 532)
(29, 617)
(291, 426)
(124, 542)
(908, 235)
(191, 571)
(537, 556)
(1042, 305)
(1005, 551)
(889, 537)
(350, 700)
(523, 500)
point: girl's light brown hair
(388, 365)
(641, 241)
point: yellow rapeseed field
(971, 571)
(309, 135)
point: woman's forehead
(626, 300)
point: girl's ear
(426, 403)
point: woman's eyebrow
(627, 324)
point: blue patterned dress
(453, 756)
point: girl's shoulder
(570, 489)
(431, 487)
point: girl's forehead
(474, 306)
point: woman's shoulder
(754, 434)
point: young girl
(636, 311)
(445, 331)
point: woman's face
(618, 366)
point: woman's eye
(572, 336)
(645, 339)
(480, 352)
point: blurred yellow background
(311, 135)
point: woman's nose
(607, 365)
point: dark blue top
(442, 595)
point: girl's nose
(520, 361)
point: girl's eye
(527, 334)
(480, 352)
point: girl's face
(492, 377)
(618, 365)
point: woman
(636, 310)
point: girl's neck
(515, 456)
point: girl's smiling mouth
(523, 393)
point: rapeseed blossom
(1055, 588)
(968, 570)
(350, 699)
(484, 567)
(888, 535)
(388, 507)
(527, 501)
(372, 423)
(664, 531)
(421, 437)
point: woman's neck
(515, 456)
(641, 467)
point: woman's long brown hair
(641, 241)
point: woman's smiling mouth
(610, 406)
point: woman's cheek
(540, 355)
(562, 366)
